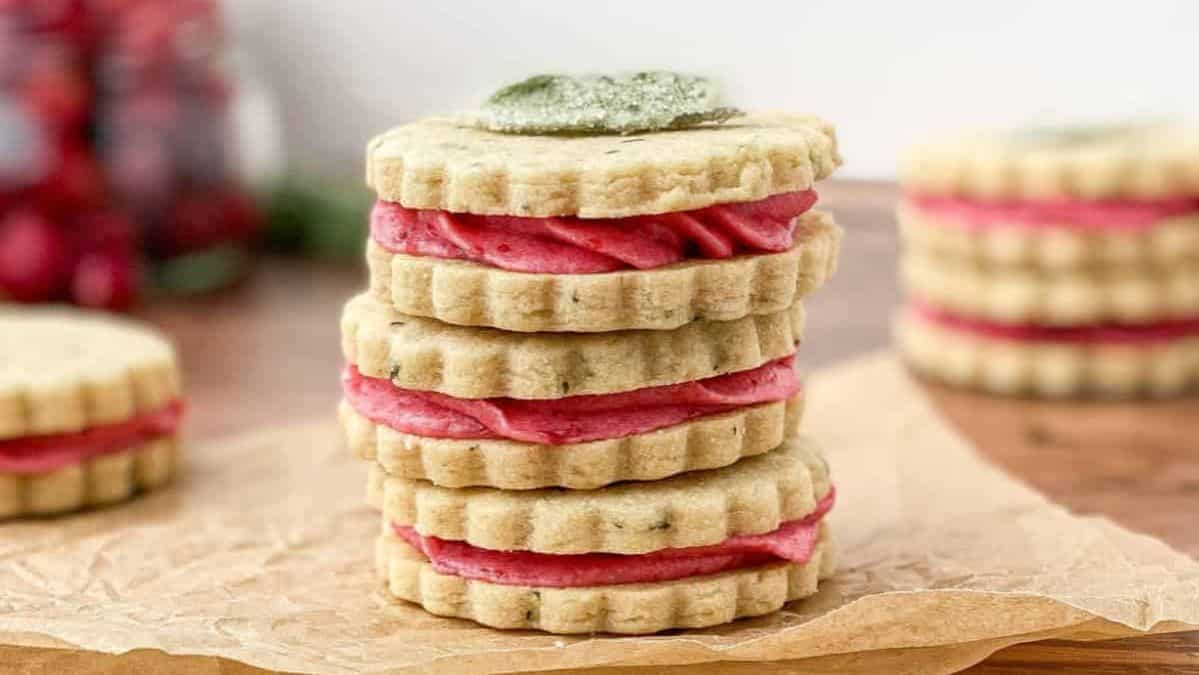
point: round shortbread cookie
(705, 443)
(1133, 161)
(1174, 241)
(471, 294)
(471, 362)
(445, 163)
(63, 371)
(695, 602)
(105, 479)
(753, 496)
(1054, 298)
(1049, 369)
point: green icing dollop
(604, 104)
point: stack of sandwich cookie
(574, 370)
(90, 409)
(1055, 262)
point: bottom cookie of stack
(1108, 360)
(633, 608)
(694, 550)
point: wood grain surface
(267, 352)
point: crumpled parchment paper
(260, 555)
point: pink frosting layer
(1160, 331)
(589, 245)
(41, 454)
(575, 419)
(794, 542)
(1074, 214)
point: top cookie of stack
(1055, 262)
(603, 232)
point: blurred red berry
(75, 182)
(13, 46)
(55, 88)
(68, 18)
(242, 215)
(35, 256)
(110, 9)
(108, 230)
(197, 220)
(156, 40)
(105, 279)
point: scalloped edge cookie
(631, 609)
(105, 479)
(753, 496)
(1048, 369)
(1060, 298)
(705, 443)
(472, 362)
(1146, 161)
(443, 163)
(1174, 241)
(467, 293)
(67, 370)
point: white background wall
(885, 72)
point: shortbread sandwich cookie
(546, 288)
(471, 362)
(695, 550)
(1069, 297)
(578, 442)
(1105, 360)
(1061, 236)
(568, 410)
(1119, 197)
(90, 409)
(600, 232)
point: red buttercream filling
(574, 419)
(793, 542)
(570, 245)
(1074, 214)
(41, 454)
(1110, 333)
